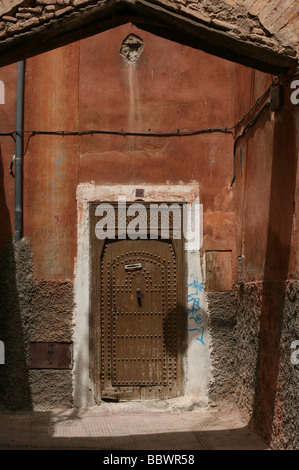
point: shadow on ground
(125, 430)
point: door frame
(95, 314)
(196, 363)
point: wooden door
(137, 345)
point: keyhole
(138, 292)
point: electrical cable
(248, 125)
(177, 133)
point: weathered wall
(267, 239)
(181, 88)
(37, 295)
(8, 75)
(284, 433)
(145, 100)
(270, 402)
(223, 319)
(79, 87)
(281, 17)
(159, 93)
(32, 311)
(51, 162)
(15, 285)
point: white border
(197, 359)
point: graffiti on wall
(62, 219)
(195, 317)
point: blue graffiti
(193, 312)
(198, 286)
(194, 298)
(202, 329)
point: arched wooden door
(137, 325)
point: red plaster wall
(170, 87)
(51, 169)
(265, 190)
(87, 85)
(266, 235)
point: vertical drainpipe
(19, 153)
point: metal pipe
(19, 152)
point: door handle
(131, 267)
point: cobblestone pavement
(129, 426)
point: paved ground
(128, 426)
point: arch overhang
(27, 30)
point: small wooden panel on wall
(51, 355)
(218, 270)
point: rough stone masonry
(237, 29)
